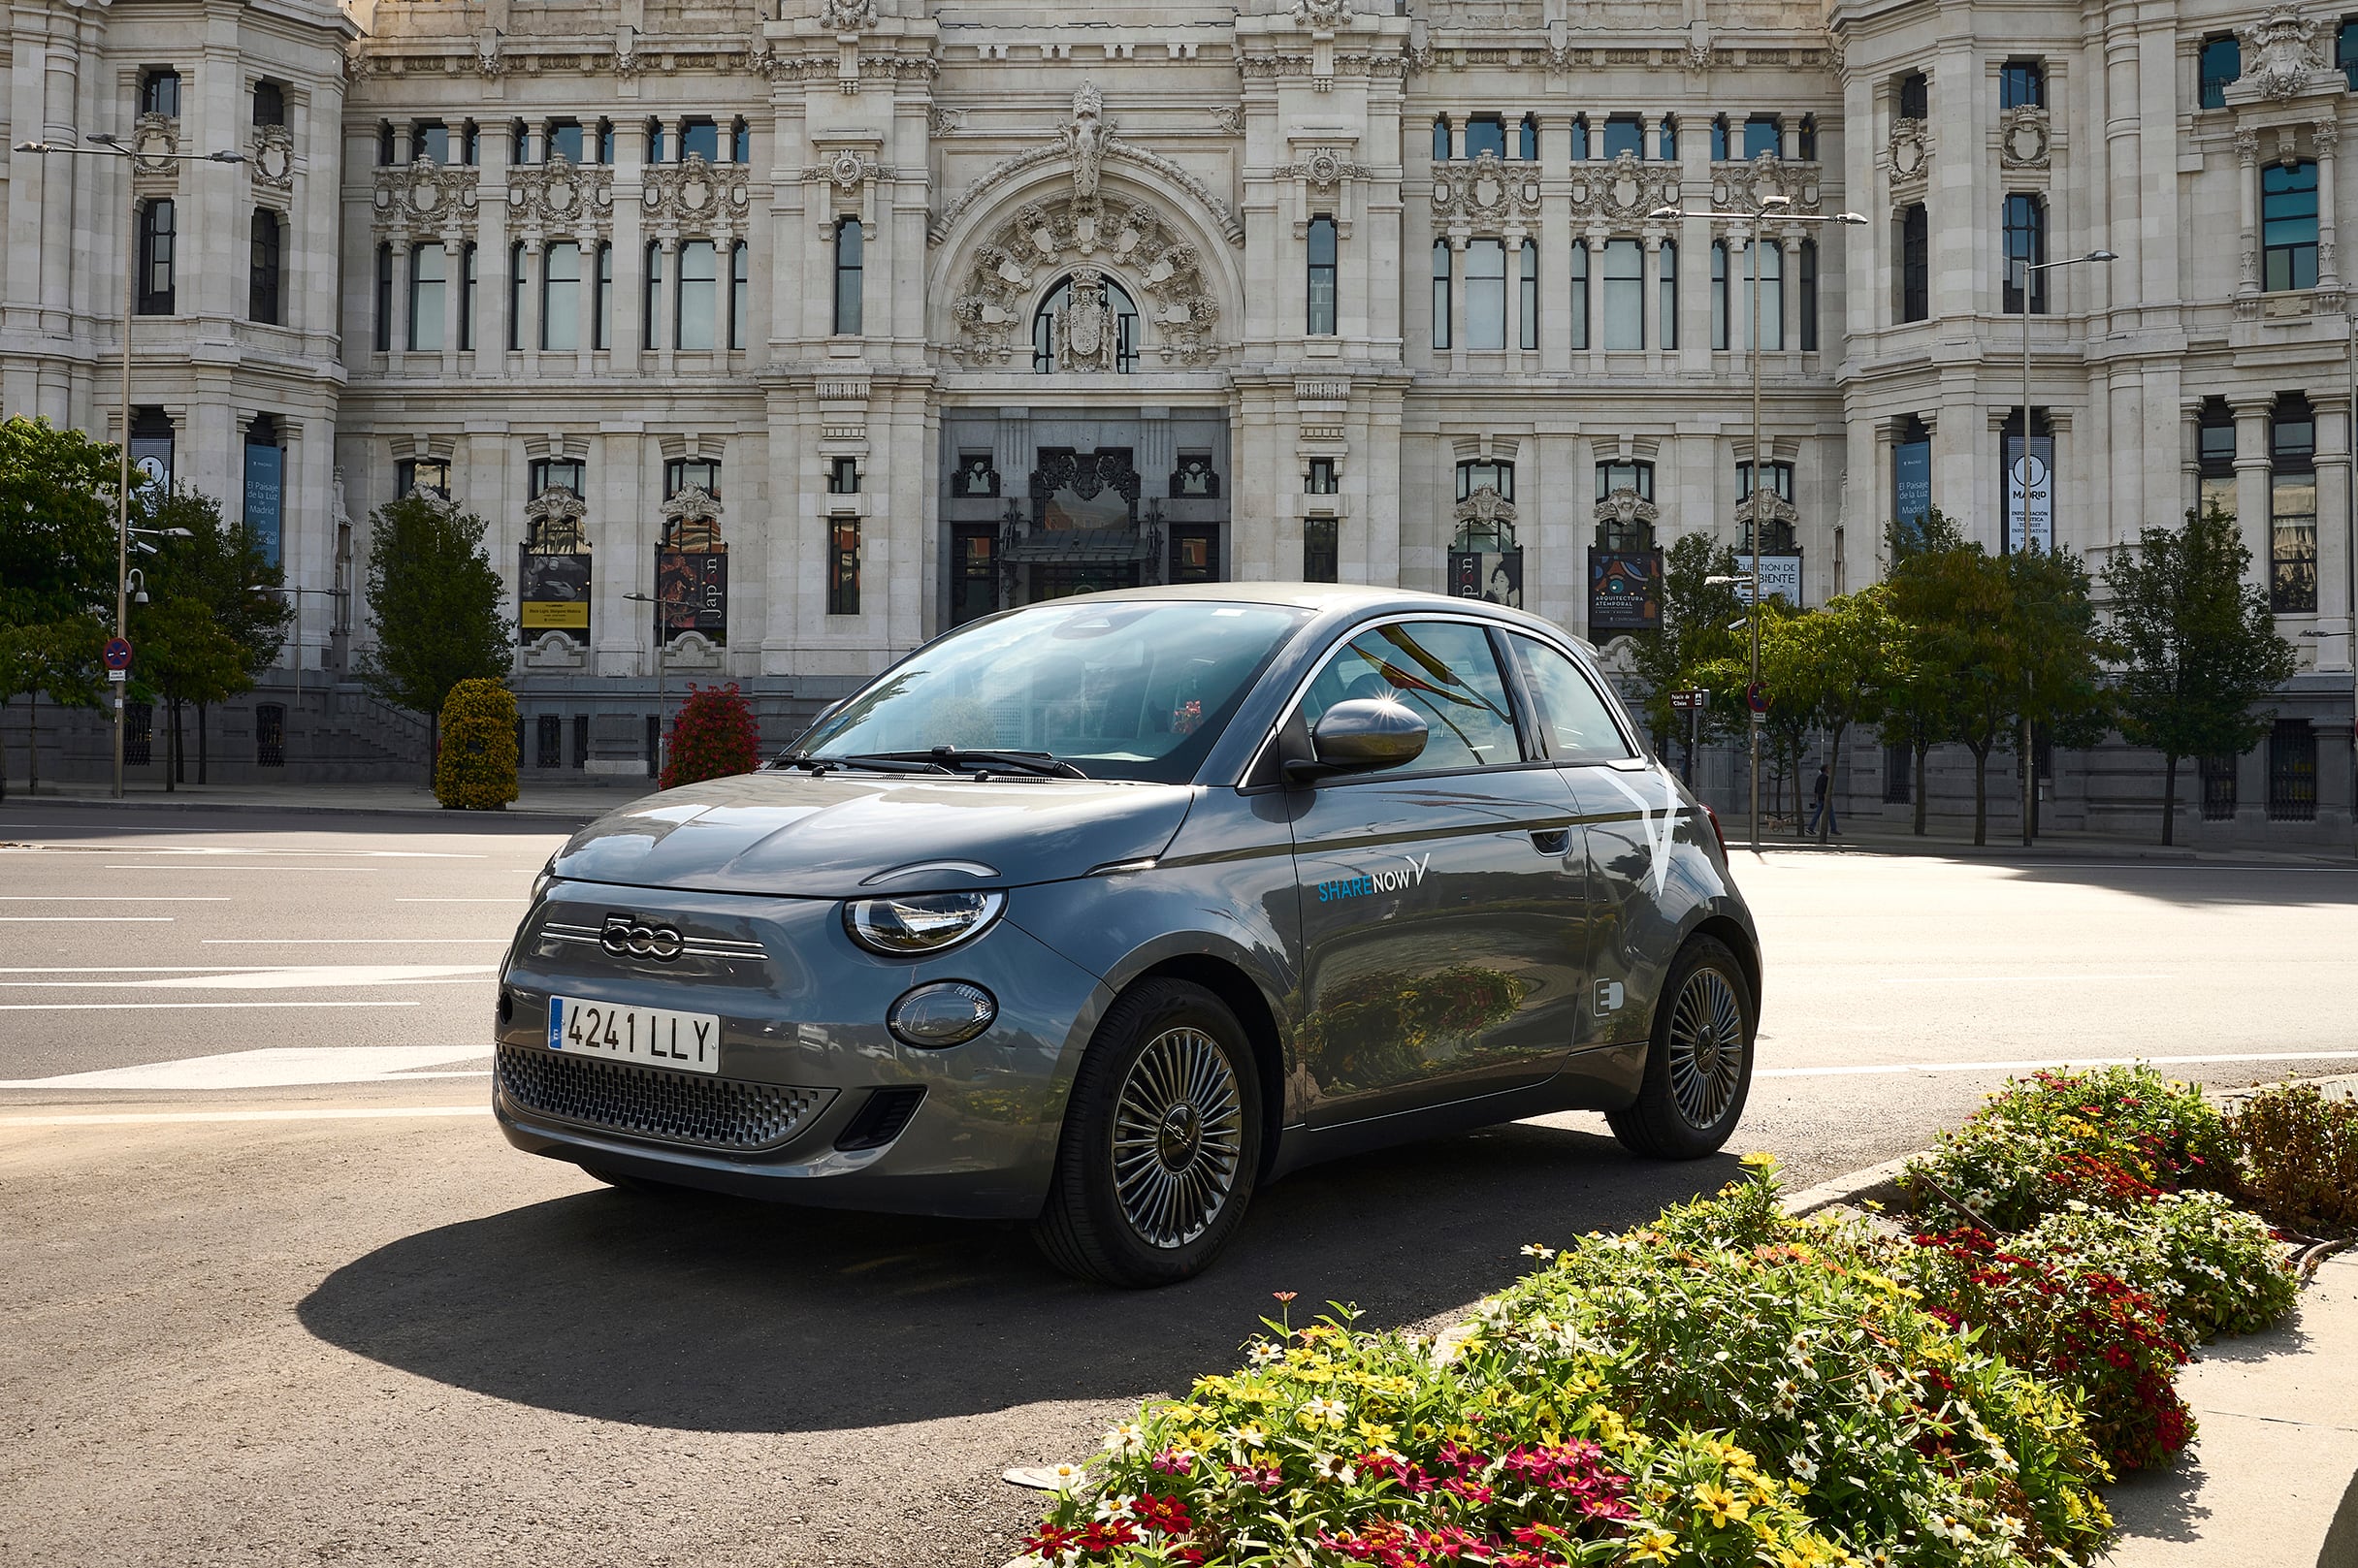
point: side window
(1577, 725)
(1443, 670)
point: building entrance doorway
(1061, 580)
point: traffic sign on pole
(1685, 701)
(1756, 695)
(117, 654)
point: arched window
(1581, 294)
(1087, 322)
(850, 276)
(262, 268)
(1321, 301)
(157, 232)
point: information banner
(1487, 575)
(1912, 483)
(693, 588)
(1625, 592)
(264, 474)
(1780, 578)
(2035, 474)
(553, 594)
(151, 462)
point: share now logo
(1659, 830)
(1377, 882)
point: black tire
(1171, 1074)
(1694, 1088)
(645, 1186)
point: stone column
(666, 325)
(585, 300)
(454, 294)
(527, 331)
(2248, 211)
(2333, 625)
(1514, 238)
(1651, 291)
(1789, 289)
(2327, 136)
(1457, 304)
(2252, 500)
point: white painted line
(169, 1006)
(2008, 980)
(192, 866)
(348, 942)
(129, 969)
(322, 1114)
(1903, 1069)
(113, 898)
(269, 1069)
(509, 900)
(85, 919)
(225, 978)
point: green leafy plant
(2213, 1268)
(433, 604)
(713, 736)
(2300, 1153)
(475, 770)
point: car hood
(791, 835)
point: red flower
(1169, 1514)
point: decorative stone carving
(692, 521)
(1104, 146)
(273, 157)
(847, 170)
(1908, 154)
(1485, 194)
(2023, 138)
(1085, 141)
(1836, 52)
(488, 64)
(424, 195)
(1321, 15)
(1228, 117)
(556, 650)
(1085, 330)
(993, 308)
(1774, 509)
(696, 197)
(1745, 187)
(154, 140)
(1623, 190)
(558, 195)
(1701, 55)
(1322, 169)
(552, 522)
(1484, 508)
(1625, 507)
(627, 62)
(847, 16)
(2281, 58)
(941, 121)
(691, 651)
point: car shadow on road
(727, 1315)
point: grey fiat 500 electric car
(1102, 913)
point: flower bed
(1732, 1386)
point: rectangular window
(693, 331)
(1442, 151)
(1527, 139)
(655, 140)
(517, 282)
(741, 292)
(2215, 455)
(851, 277)
(2222, 63)
(1809, 296)
(1719, 139)
(1473, 475)
(1442, 263)
(426, 283)
(843, 565)
(557, 473)
(1666, 259)
(2293, 511)
(602, 311)
(1485, 133)
(548, 749)
(605, 142)
(2292, 772)
(159, 234)
(1320, 558)
(269, 104)
(561, 297)
(1770, 288)
(1780, 480)
(470, 144)
(386, 155)
(2219, 788)
(2288, 226)
(1638, 478)
(159, 94)
(1486, 294)
(1915, 96)
(1898, 773)
(384, 297)
(1322, 479)
(699, 139)
(1321, 285)
(1529, 300)
(843, 476)
(2346, 51)
(1763, 136)
(1805, 140)
(692, 474)
(1914, 264)
(1669, 139)
(1719, 295)
(564, 142)
(467, 296)
(1624, 132)
(430, 142)
(428, 474)
(2026, 238)
(653, 308)
(2022, 85)
(262, 267)
(1624, 294)
(1581, 294)
(519, 142)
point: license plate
(655, 1036)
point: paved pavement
(303, 1306)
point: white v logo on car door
(1658, 835)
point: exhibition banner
(1625, 590)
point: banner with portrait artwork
(553, 594)
(692, 590)
(1495, 575)
(1625, 592)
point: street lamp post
(1779, 205)
(105, 146)
(663, 739)
(2028, 269)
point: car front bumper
(804, 1051)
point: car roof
(1338, 600)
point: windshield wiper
(867, 762)
(1043, 764)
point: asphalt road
(277, 1292)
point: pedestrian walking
(1822, 798)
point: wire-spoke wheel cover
(1178, 1137)
(1706, 1049)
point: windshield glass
(1123, 690)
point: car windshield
(1121, 690)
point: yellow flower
(1722, 1505)
(1376, 1432)
(1653, 1545)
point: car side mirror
(1361, 736)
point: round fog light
(946, 1012)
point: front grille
(674, 1107)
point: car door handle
(1551, 840)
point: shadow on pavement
(714, 1314)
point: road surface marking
(193, 866)
(345, 941)
(85, 919)
(323, 1114)
(511, 899)
(2007, 980)
(113, 898)
(269, 1069)
(1896, 1069)
(166, 1006)
(279, 977)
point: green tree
(2057, 656)
(2199, 646)
(213, 623)
(56, 567)
(1694, 638)
(1832, 670)
(186, 657)
(433, 601)
(1951, 600)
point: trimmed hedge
(475, 769)
(713, 736)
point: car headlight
(911, 925)
(546, 879)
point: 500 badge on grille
(653, 1036)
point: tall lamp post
(1780, 207)
(104, 146)
(2027, 269)
(662, 629)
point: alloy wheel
(1178, 1137)
(1706, 1047)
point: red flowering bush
(713, 736)
(2083, 1329)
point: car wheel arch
(1252, 1005)
(1739, 940)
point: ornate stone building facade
(774, 338)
